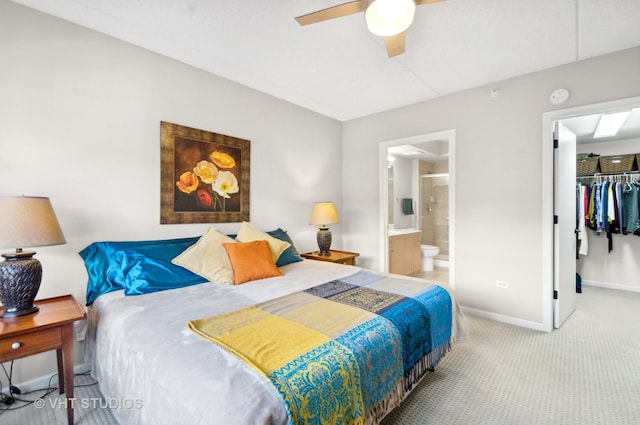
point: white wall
(80, 123)
(498, 176)
(620, 268)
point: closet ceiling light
(610, 124)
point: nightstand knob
(15, 345)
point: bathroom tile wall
(434, 206)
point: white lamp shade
(27, 221)
(323, 213)
(389, 17)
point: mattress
(154, 370)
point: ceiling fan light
(389, 17)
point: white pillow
(248, 233)
(208, 258)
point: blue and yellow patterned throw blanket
(344, 352)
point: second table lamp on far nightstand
(322, 214)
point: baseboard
(506, 319)
(539, 326)
(43, 381)
(608, 285)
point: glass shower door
(434, 211)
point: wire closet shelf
(623, 177)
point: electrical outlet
(502, 284)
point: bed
(302, 346)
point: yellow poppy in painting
(225, 184)
(188, 182)
(223, 160)
(206, 171)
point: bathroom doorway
(436, 147)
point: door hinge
(555, 295)
(555, 219)
(555, 143)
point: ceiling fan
(386, 18)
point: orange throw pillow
(251, 261)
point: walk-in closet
(608, 214)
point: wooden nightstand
(343, 257)
(51, 328)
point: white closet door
(564, 206)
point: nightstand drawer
(30, 343)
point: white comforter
(152, 370)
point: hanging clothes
(610, 205)
(592, 211)
(632, 208)
(582, 202)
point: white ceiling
(338, 68)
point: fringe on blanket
(392, 400)
(386, 405)
(427, 364)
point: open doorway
(414, 152)
(581, 121)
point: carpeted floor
(586, 373)
(47, 407)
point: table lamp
(25, 222)
(324, 213)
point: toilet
(428, 252)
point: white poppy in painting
(206, 171)
(225, 184)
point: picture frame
(204, 176)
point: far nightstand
(343, 257)
(51, 328)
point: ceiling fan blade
(333, 12)
(419, 2)
(394, 44)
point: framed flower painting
(204, 176)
